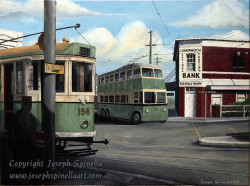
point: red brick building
(208, 72)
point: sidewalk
(231, 140)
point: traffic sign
(53, 68)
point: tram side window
(158, 73)
(137, 73)
(161, 97)
(33, 75)
(117, 98)
(19, 78)
(147, 72)
(60, 79)
(149, 97)
(81, 77)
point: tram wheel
(136, 118)
(103, 113)
(107, 113)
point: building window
(238, 64)
(191, 62)
(241, 97)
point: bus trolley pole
(49, 80)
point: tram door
(8, 94)
(190, 102)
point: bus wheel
(136, 118)
(103, 113)
(107, 113)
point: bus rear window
(161, 97)
(158, 73)
(81, 77)
(149, 97)
(147, 72)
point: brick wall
(200, 104)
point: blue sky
(119, 29)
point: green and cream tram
(21, 75)
(133, 92)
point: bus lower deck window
(81, 77)
(149, 97)
(111, 99)
(19, 78)
(161, 97)
(102, 99)
(136, 97)
(123, 98)
(60, 79)
(106, 99)
(117, 98)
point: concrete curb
(207, 120)
(224, 141)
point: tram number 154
(83, 111)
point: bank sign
(184, 73)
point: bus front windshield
(82, 77)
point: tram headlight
(84, 124)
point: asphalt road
(169, 152)
(151, 154)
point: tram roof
(61, 49)
(130, 66)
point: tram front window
(33, 75)
(60, 79)
(19, 78)
(81, 77)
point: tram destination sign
(53, 68)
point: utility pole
(150, 47)
(157, 60)
(49, 80)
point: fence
(229, 110)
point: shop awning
(228, 87)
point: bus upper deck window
(81, 77)
(137, 73)
(60, 79)
(158, 73)
(99, 81)
(147, 72)
(111, 78)
(106, 79)
(122, 76)
(149, 97)
(33, 75)
(102, 80)
(117, 77)
(19, 78)
(129, 74)
(161, 97)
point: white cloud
(127, 45)
(220, 14)
(235, 34)
(35, 9)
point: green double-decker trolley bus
(134, 92)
